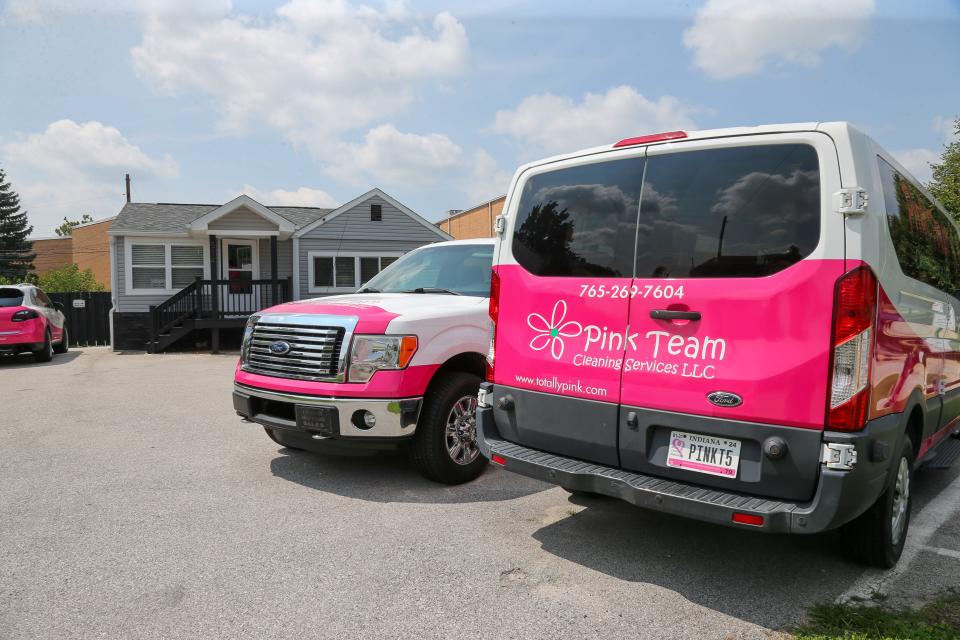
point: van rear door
(738, 251)
(565, 271)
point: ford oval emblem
(725, 399)
(279, 347)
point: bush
(69, 278)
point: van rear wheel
(445, 445)
(877, 536)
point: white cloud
(739, 37)
(311, 70)
(72, 168)
(46, 11)
(302, 197)
(553, 124)
(917, 162)
(485, 179)
(946, 127)
(390, 156)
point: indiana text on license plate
(704, 454)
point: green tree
(66, 228)
(945, 184)
(69, 278)
(16, 256)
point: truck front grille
(314, 351)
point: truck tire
(45, 353)
(64, 345)
(277, 437)
(445, 445)
(877, 536)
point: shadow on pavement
(25, 360)
(764, 579)
(391, 477)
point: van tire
(280, 440)
(45, 353)
(429, 452)
(870, 537)
(64, 345)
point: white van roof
(830, 128)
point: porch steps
(947, 454)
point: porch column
(214, 292)
(274, 280)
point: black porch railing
(214, 303)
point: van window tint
(580, 221)
(734, 212)
(925, 240)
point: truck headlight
(247, 337)
(369, 354)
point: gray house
(177, 268)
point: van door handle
(667, 314)
(633, 421)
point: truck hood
(378, 311)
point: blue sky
(313, 103)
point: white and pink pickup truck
(397, 364)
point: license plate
(704, 454)
(323, 420)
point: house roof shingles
(175, 218)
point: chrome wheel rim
(901, 500)
(461, 431)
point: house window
(376, 213)
(163, 267)
(329, 272)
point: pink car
(29, 321)
(756, 327)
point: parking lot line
(922, 527)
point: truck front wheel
(445, 446)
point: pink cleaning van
(755, 327)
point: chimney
(127, 179)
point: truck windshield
(455, 269)
(11, 297)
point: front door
(239, 267)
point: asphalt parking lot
(135, 504)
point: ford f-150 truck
(396, 364)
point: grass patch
(939, 620)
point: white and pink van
(395, 365)
(754, 326)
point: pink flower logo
(552, 332)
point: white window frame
(356, 255)
(168, 263)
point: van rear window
(731, 212)
(10, 297)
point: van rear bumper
(840, 496)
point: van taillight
(854, 313)
(494, 311)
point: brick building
(88, 247)
(476, 222)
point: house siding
(346, 247)
(355, 224)
(284, 259)
(242, 220)
(138, 302)
(352, 231)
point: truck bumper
(840, 496)
(328, 418)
